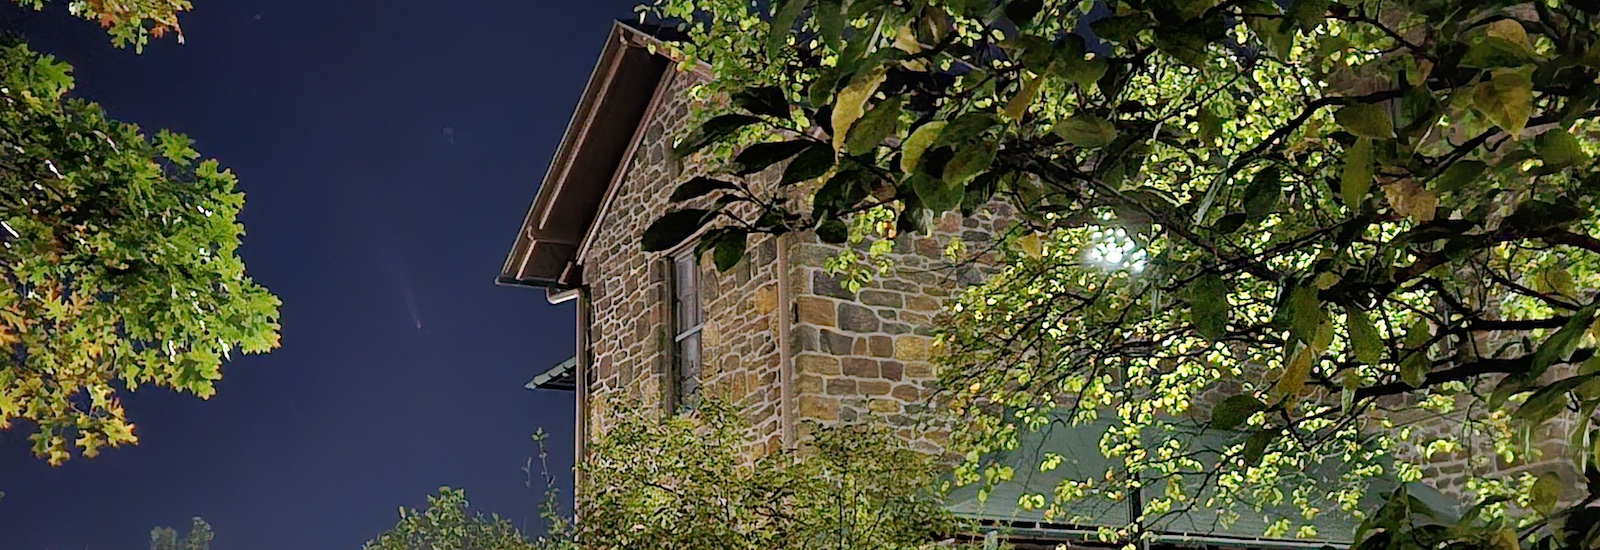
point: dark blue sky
(333, 115)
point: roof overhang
(614, 104)
(562, 377)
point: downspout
(785, 311)
(580, 378)
(585, 361)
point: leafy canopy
(1357, 232)
(118, 264)
(198, 538)
(449, 524)
(129, 22)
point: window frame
(682, 397)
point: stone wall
(856, 356)
(866, 356)
(629, 309)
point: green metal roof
(560, 377)
(1080, 447)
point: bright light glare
(1112, 250)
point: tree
(1312, 225)
(449, 524)
(129, 22)
(694, 481)
(199, 537)
(119, 263)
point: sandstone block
(855, 318)
(861, 368)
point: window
(685, 330)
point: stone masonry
(854, 355)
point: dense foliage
(129, 22)
(1357, 233)
(692, 482)
(449, 524)
(198, 538)
(118, 263)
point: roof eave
(610, 109)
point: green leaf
(699, 187)
(830, 23)
(1073, 67)
(729, 248)
(851, 103)
(1017, 107)
(1307, 15)
(176, 147)
(1561, 344)
(882, 121)
(1234, 411)
(811, 163)
(1559, 149)
(784, 15)
(969, 160)
(1459, 174)
(1416, 360)
(833, 231)
(1545, 493)
(1273, 33)
(1365, 120)
(1305, 312)
(937, 194)
(1086, 130)
(1022, 12)
(1208, 306)
(1072, 61)
(1356, 181)
(1210, 125)
(1506, 99)
(758, 157)
(1261, 196)
(917, 143)
(1186, 45)
(846, 188)
(764, 100)
(1366, 346)
(1548, 402)
(1255, 447)
(673, 228)
(966, 128)
(712, 131)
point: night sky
(385, 148)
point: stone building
(777, 335)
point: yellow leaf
(1511, 32)
(905, 40)
(1295, 373)
(851, 103)
(1031, 245)
(1507, 99)
(1412, 200)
